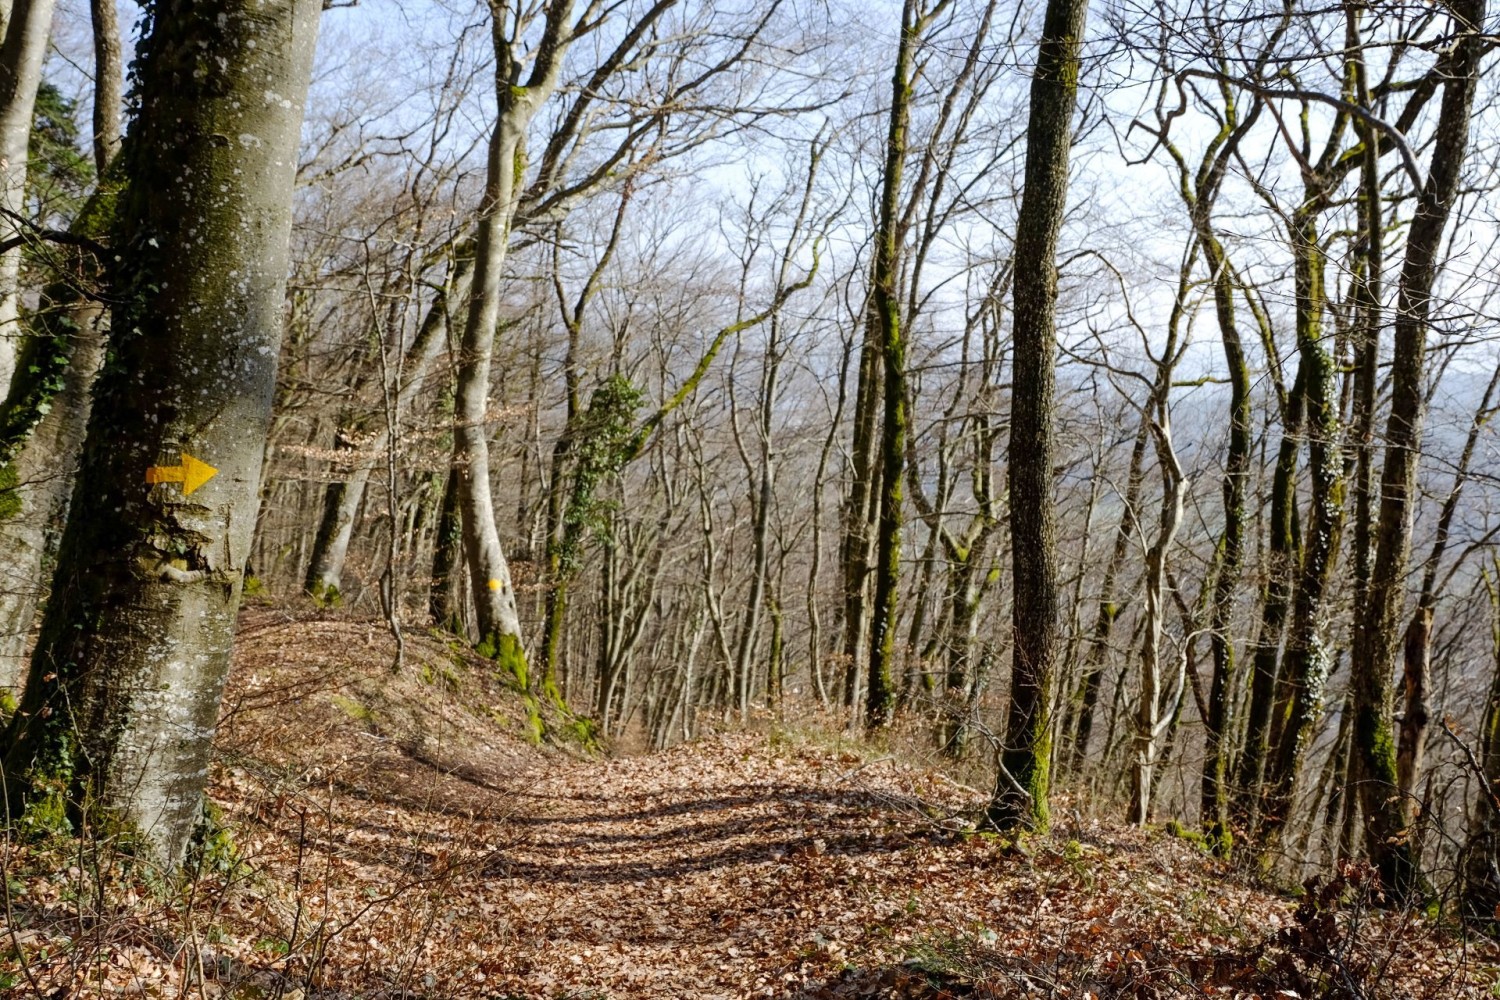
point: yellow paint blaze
(192, 473)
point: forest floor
(388, 836)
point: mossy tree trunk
(46, 413)
(1021, 792)
(884, 319)
(1306, 661)
(1387, 837)
(123, 696)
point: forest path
(407, 843)
(389, 834)
(727, 867)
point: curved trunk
(496, 617)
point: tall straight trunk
(496, 618)
(1213, 798)
(1386, 835)
(1021, 790)
(1230, 554)
(860, 515)
(885, 320)
(815, 565)
(27, 28)
(1368, 293)
(123, 695)
(1305, 665)
(342, 500)
(762, 475)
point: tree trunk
(1387, 837)
(1283, 546)
(885, 320)
(43, 471)
(496, 618)
(109, 101)
(1305, 665)
(124, 689)
(1148, 722)
(27, 27)
(445, 598)
(1021, 790)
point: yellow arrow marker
(191, 473)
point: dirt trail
(392, 837)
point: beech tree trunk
(27, 26)
(496, 616)
(1387, 838)
(123, 695)
(1025, 758)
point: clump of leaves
(604, 444)
(1320, 954)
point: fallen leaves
(393, 842)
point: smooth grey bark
(27, 28)
(123, 694)
(498, 622)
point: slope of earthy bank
(399, 837)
